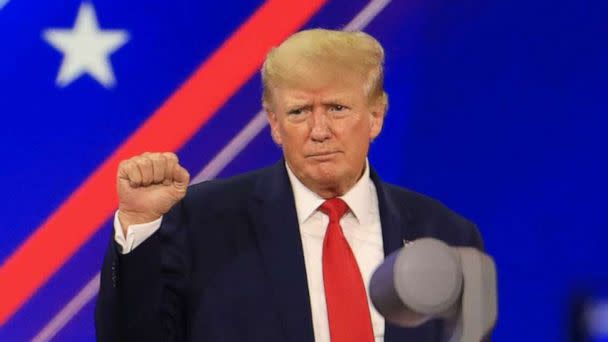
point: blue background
(497, 108)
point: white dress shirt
(361, 227)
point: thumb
(181, 177)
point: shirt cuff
(136, 233)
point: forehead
(321, 88)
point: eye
(337, 108)
(295, 111)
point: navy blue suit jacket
(227, 264)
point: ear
(273, 120)
(377, 119)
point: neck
(330, 192)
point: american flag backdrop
(497, 108)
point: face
(325, 132)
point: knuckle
(170, 156)
(132, 171)
(146, 162)
(159, 159)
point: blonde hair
(333, 52)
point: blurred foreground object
(589, 319)
(427, 279)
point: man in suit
(283, 253)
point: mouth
(323, 156)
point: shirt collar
(357, 198)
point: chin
(329, 177)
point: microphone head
(421, 281)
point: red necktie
(347, 307)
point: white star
(86, 48)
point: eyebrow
(293, 104)
(333, 101)
(297, 105)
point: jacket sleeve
(142, 293)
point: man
(283, 253)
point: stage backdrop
(497, 108)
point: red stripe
(182, 115)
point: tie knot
(335, 208)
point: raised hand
(148, 186)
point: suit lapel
(395, 232)
(277, 233)
(392, 217)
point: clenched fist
(148, 186)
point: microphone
(427, 279)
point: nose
(320, 125)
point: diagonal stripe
(210, 171)
(70, 310)
(366, 15)
(234, 147)
(194, 103)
